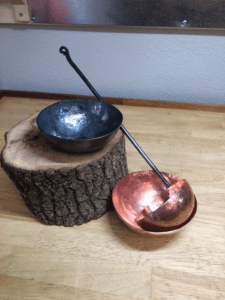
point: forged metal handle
(146, 158)
(65, 52)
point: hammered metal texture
(80, 125)
(144, 203)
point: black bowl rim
(72, 140)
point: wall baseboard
(1, 94)
(54, 96)
(120, 101)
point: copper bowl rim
(164, 231)
(139, 230)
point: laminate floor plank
(103, 259)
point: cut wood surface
(103, 259)
(28, 149)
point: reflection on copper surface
(146, 205)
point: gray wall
(156, 66)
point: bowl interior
(133, 192)
(79, 119)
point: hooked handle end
(63, 50)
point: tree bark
(58, 187)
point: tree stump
(58, 187)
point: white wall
(173, 67)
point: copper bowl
(146, 206)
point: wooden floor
(103, 259)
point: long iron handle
(65, 52)
(146, 158)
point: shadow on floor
(138, 241)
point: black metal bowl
(80, 125)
